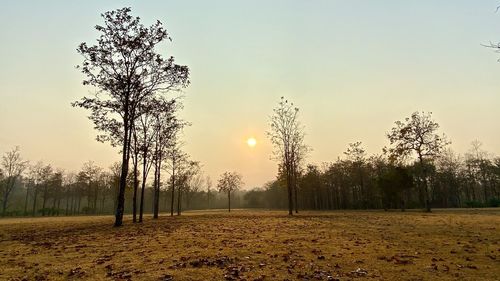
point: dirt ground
(256, 245)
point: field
(256, 245)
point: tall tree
(229, 182)
(127, 71)
(13, 166)
(287, 136)
(417, 136)
(166, 127)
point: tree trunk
(44, 199)
(143, 185)
(208, 198)
(157, 188)
(78, 204)
(123, 177)
(229, 200)
(173, 188)
(179, 200)
(67, 205)
(26, 201)
(33, 213)
(426, 188)
(4, 205)
(136, 186)
(295, 191)
(290, 199)
(96, 195)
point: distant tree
(393, 181)
(208, 182)
(13, 166)
(176, 157)
(46, 177)
(287, 136)
(448, 182)
(417, 135)
(69, 181)
(229, 182)
(125, 67)
(89, 175)
(356, 156)
(187, 169)
(479, 166)
(115, 171)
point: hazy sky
(353, 68)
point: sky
(352, 67)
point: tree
(176, 157)
(187, 169)
(287, 136)
(208, 182)
(417, 135)
(89, 175)
(229, 182)
(46, 177)
(166, 127)
(127, 71)
(13, 166)
(356, 156)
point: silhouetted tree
(286, 135)
(125, 67)
(229, 182)
(417, 135)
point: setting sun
(251, 142)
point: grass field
(256, 245)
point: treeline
(358, 181)
(355, 181)
(41, 190)
(416, 170)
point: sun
(251, 142)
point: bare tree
(417, 136)
(287, 137)
(229, 182)
(13, 166)
(126, 69)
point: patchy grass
(256, 245)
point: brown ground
(256, 245)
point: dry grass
(258, 245)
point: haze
(352, 67)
